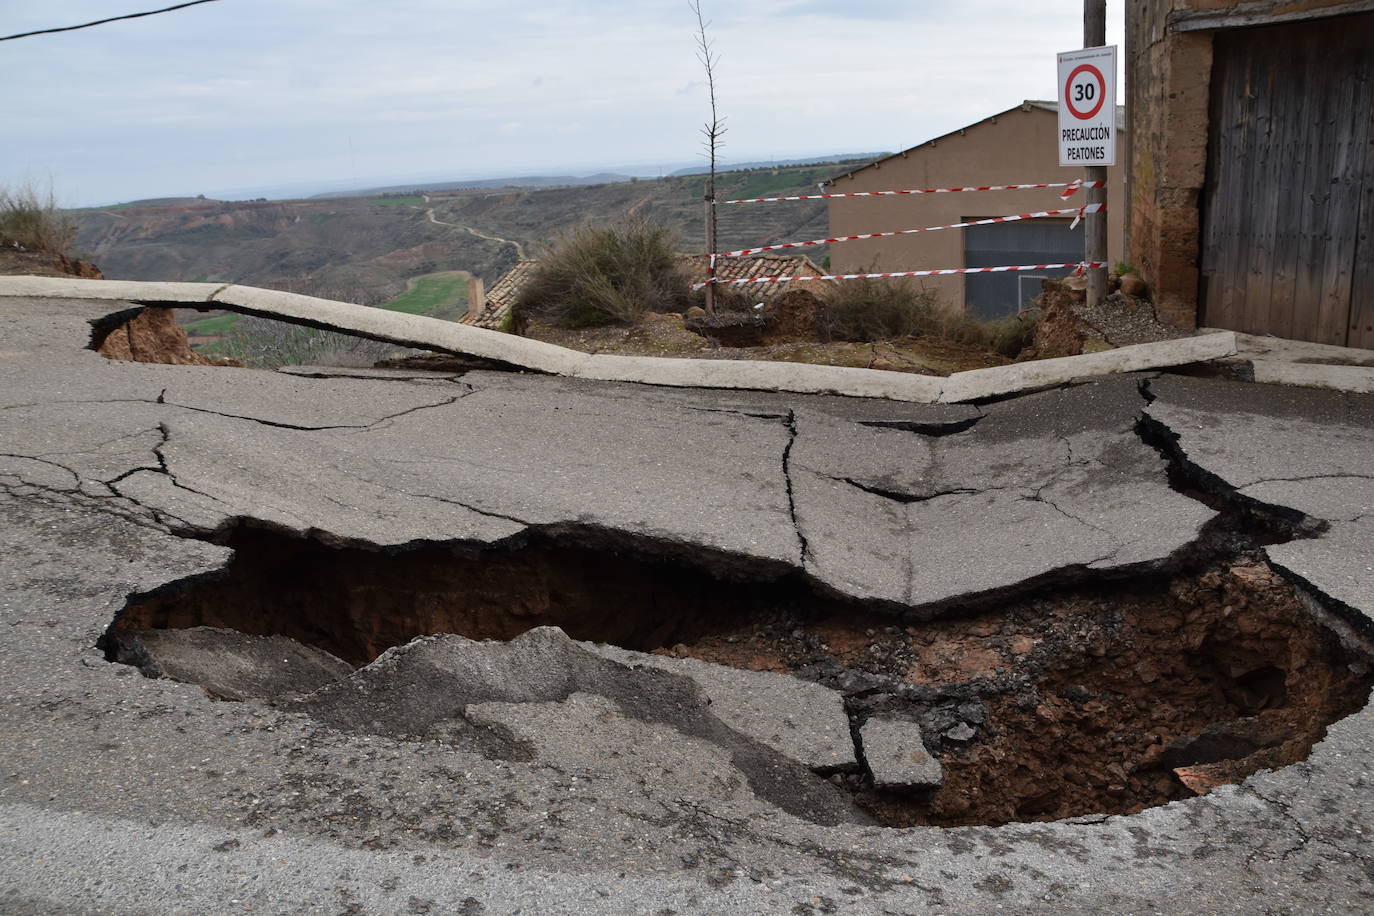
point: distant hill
(532, 181)
(364, 249)
(839, 159)
(156, 202)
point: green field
(213, 327)
(439, 295)
(772, 182)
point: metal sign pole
(1095, 224)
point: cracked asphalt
(121, 794)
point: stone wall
(1168, 79)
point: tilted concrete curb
(135, 290)
(447, 336)
(1356, 379)
(768, 376)
(1043, 373)
(402, 328)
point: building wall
(1016, 147)
(1168, 92)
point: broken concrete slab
(431, 681)
(230, 665)
(382, 463)
(1248, 439)
(586, 732)
(896, 755)
(796, 718)
(1038, 484)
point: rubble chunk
(796, 718)
(897, 757)
(231, 665)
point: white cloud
(150, 106)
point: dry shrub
(599, 275)
(883, 309)
(32, 220)
(866, 310)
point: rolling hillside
(366, 249)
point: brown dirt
(1059, 331)
(1102, 699)
(1085, 703)
(665, 335)
(153, 336)
(19, 262)
(795, 315)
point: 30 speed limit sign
(1087, 107)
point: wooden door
(1289, 202)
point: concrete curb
(1355, 379)
(801, 378)
(447, 336)
(1043, 373)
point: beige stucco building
(1017, 146)
(1252, 164)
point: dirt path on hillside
(519, 249)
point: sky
(241, 98)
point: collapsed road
(486, 642)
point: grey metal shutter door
(1041, 241)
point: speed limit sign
(1087, 107)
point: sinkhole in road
(1087, 697)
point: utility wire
(87, 25)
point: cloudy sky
(238, 96)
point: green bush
(33, 221)
(600, 275)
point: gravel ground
(1123, 320)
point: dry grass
(32, 220)
(873, 310)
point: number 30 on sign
(1087, 107)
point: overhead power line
(87, 25)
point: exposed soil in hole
(1098, 699)
(1102, 700)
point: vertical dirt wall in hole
(357, 603)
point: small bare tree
(713, 130)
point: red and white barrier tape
(1076, 212)
(1080, 267)
(1071, 188)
